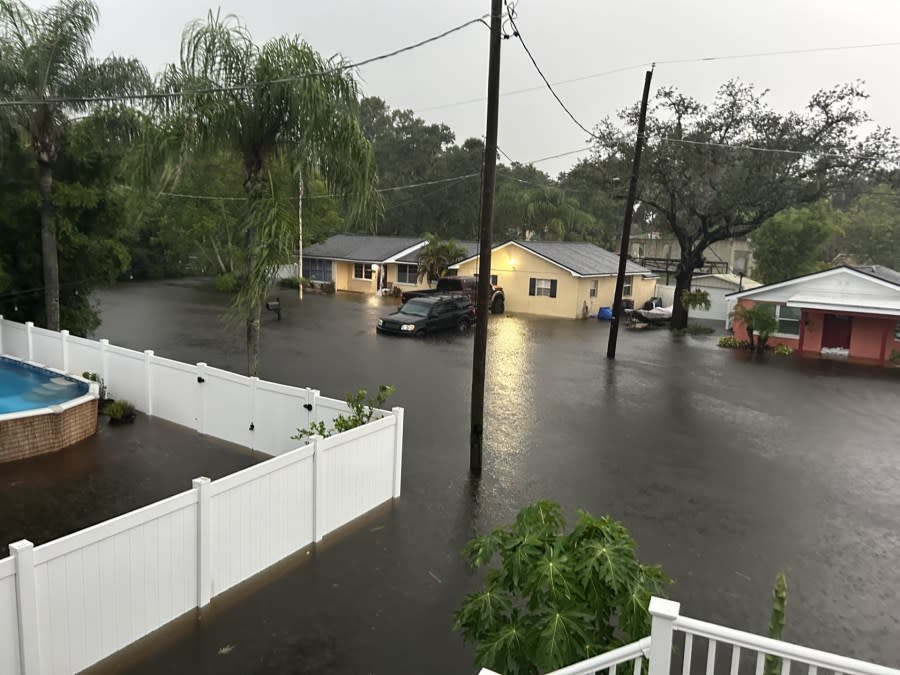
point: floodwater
(726, 469)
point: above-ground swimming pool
(42, 410)
(26, 387)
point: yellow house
(362, 263)
(560, 278)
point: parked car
(467, 286)
(425, 315)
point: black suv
(425, 315)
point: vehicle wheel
(420, 334)
(498, 307)
(463, 326)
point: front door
(836, 331)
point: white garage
(718, 286)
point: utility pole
(300, 221)
(489, 170)
(626, 228)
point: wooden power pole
(626, 228)
(489, 171)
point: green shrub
(226, 283)
(783, 350)
(294, 282)
(555, 596)
(362, 407)
(895, 356)
(328, 288)
(120, 410)
(728, 342)
(94, 377)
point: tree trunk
(253, 185)
(49, 251)
(683, 277)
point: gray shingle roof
(880, 271)
(470, 247)
(582, 257)
(360, 247)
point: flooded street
(725, 468)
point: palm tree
(44, 57)
(436, 256)
(275, 105)
(757, 319)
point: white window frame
(367, 272)
(415, 274)
(539, 287)
(799, 320)
(628, 287)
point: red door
(836, 331)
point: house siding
(871, 337)
(515, 267)
(392, 272)
(344, 281)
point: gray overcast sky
(569, 38)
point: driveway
(726, 469)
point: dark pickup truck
(427, 315)
(467, 286)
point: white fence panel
(227, 410)
(15, 339)
(84, 356)
(279, 412)
(174, 390)
(357, 472)
(47, 347)
(102, 588)
(261, 515)
(9, 623)
(126, 376)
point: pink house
(852, 311)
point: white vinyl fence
(248, 411)
(68, 603)
(739, 652)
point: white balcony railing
(743, 648)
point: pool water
(26, 387)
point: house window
(317, 269)
(788, 320)
(626, 289)
(362, 271)
(407, 274)
(493, 279)
(897, 331)
(545, 287)
(594, 288)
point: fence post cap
(30, 324)
(664, 609)
(62, 332)
(397, 409)
(103, 341)
(148, 352)
(202, 480)
(21, 545)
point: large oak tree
(714, 172)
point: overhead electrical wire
(780, 151)
(511, 15)
(246, 85)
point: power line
(698, 59)
(183, 195)
(786, 151)
(784, 52)
(511, 14)
(526, 90)
(243, 86)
